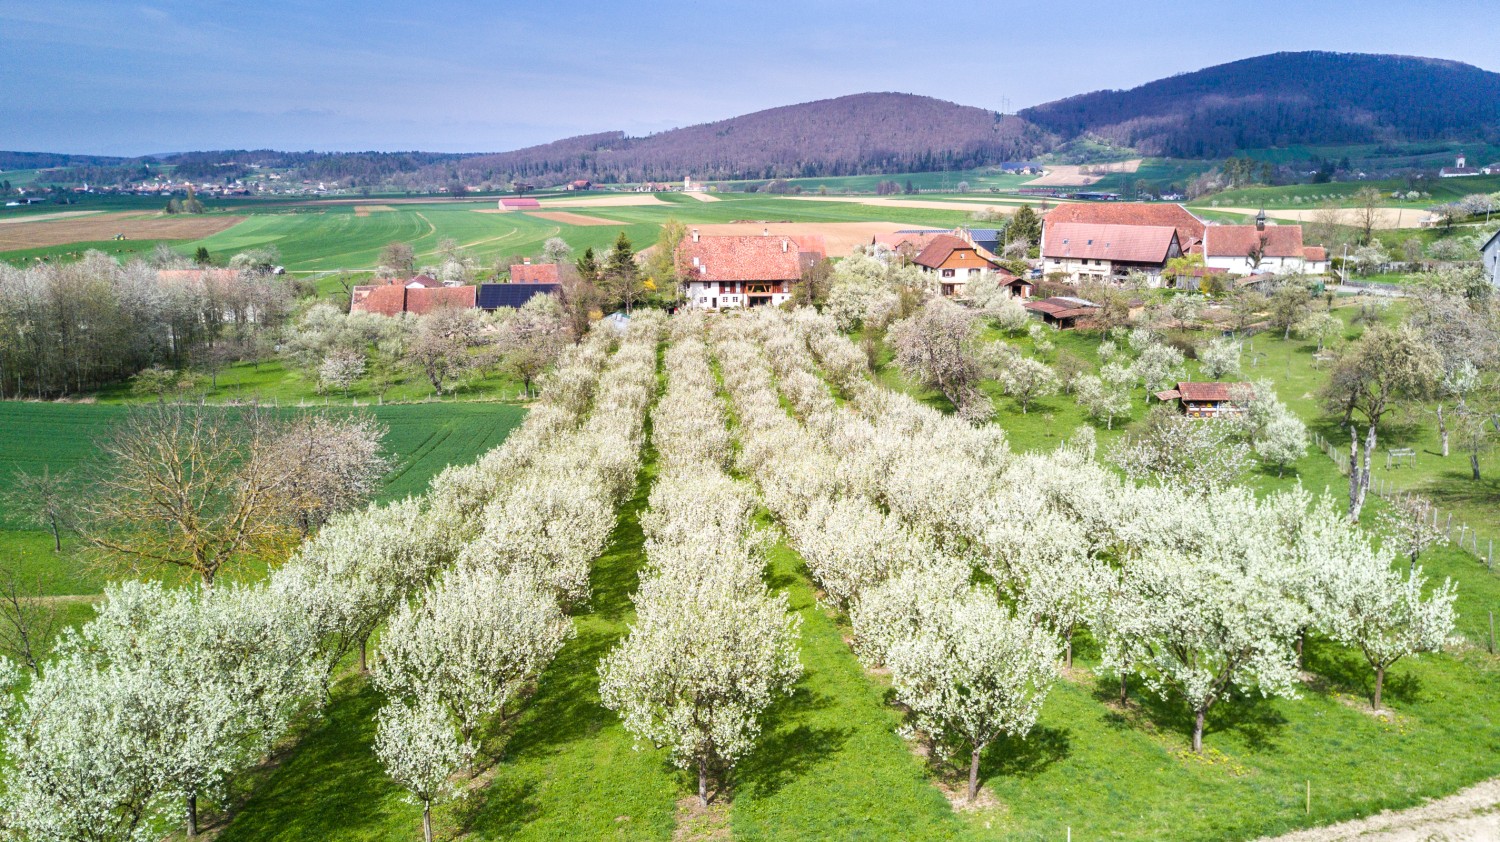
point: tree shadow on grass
(1345, 671)
(789, 749)
(1014, 757)
(1254, 718)
(331, 786)
(501, 807)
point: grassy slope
(1440, 190)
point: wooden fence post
(1492, 632)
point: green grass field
(1441, 190)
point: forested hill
(863, 133)
(1288, 98)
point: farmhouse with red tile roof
(1100, 252)
(533, 273)
(419, 295)
(742, 271)
(1189, 227)
(1261, 248)
(1063, 311)
(955, 261)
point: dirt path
(702, 197)
(1385, 218)
(956, 204)
(43, 217)
(1471, 815)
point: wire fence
(1459, 533)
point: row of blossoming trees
(167, 695)
(965, 570)
(1195, 591)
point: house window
(947, 273)
(973, 272)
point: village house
(527, 272)
(955, 261)
(420, 294)
(1261, 248)
(1189, 227)
(1063, 311)
(1206, 400)
(1490, 169)
(1108, 252)
(731, 272)
(580, 184)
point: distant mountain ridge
(1285, 99)
(850, 135)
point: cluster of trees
(701, 592)
(67, 328)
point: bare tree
(1367, 211)
(192, 488)
(45, 500)
(28, 619)
(399, 258)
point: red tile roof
(533, 273)
(520, 203)
(1062, 307)
(1189, 227)
(1130, 243)
(1314, 253)
(385, 299)
(1237, 240)
(749, 258)
(424, 281)
(941, 247)
(894, 242)
(1202, 392)
(421, 301)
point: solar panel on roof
(493, 296)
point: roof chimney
(695, 235)
(526, 261)
(765, 232)
(783, 245)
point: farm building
(1490, 258)
(1261, 248)
(742, 271)
(511, 203)
(1189, 227)
(1206, 400)
(1101, 251)
(955, 261)
(581, 184)
(533, 273)
(903, 244)
(494, 296)
(412, 297)
(1063, 311)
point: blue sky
(127, 78)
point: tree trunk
(1353, 474)
(1198, 733)
(1124, 689)
(364, 663)
(56, 537)
(974, 773)
(427, 821)
(1474, 463)
(1068, 652)
(1442, 428)
(1301, 644)
(1364, 476)
(192, 816)
(1379, 684)
(703, 781)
